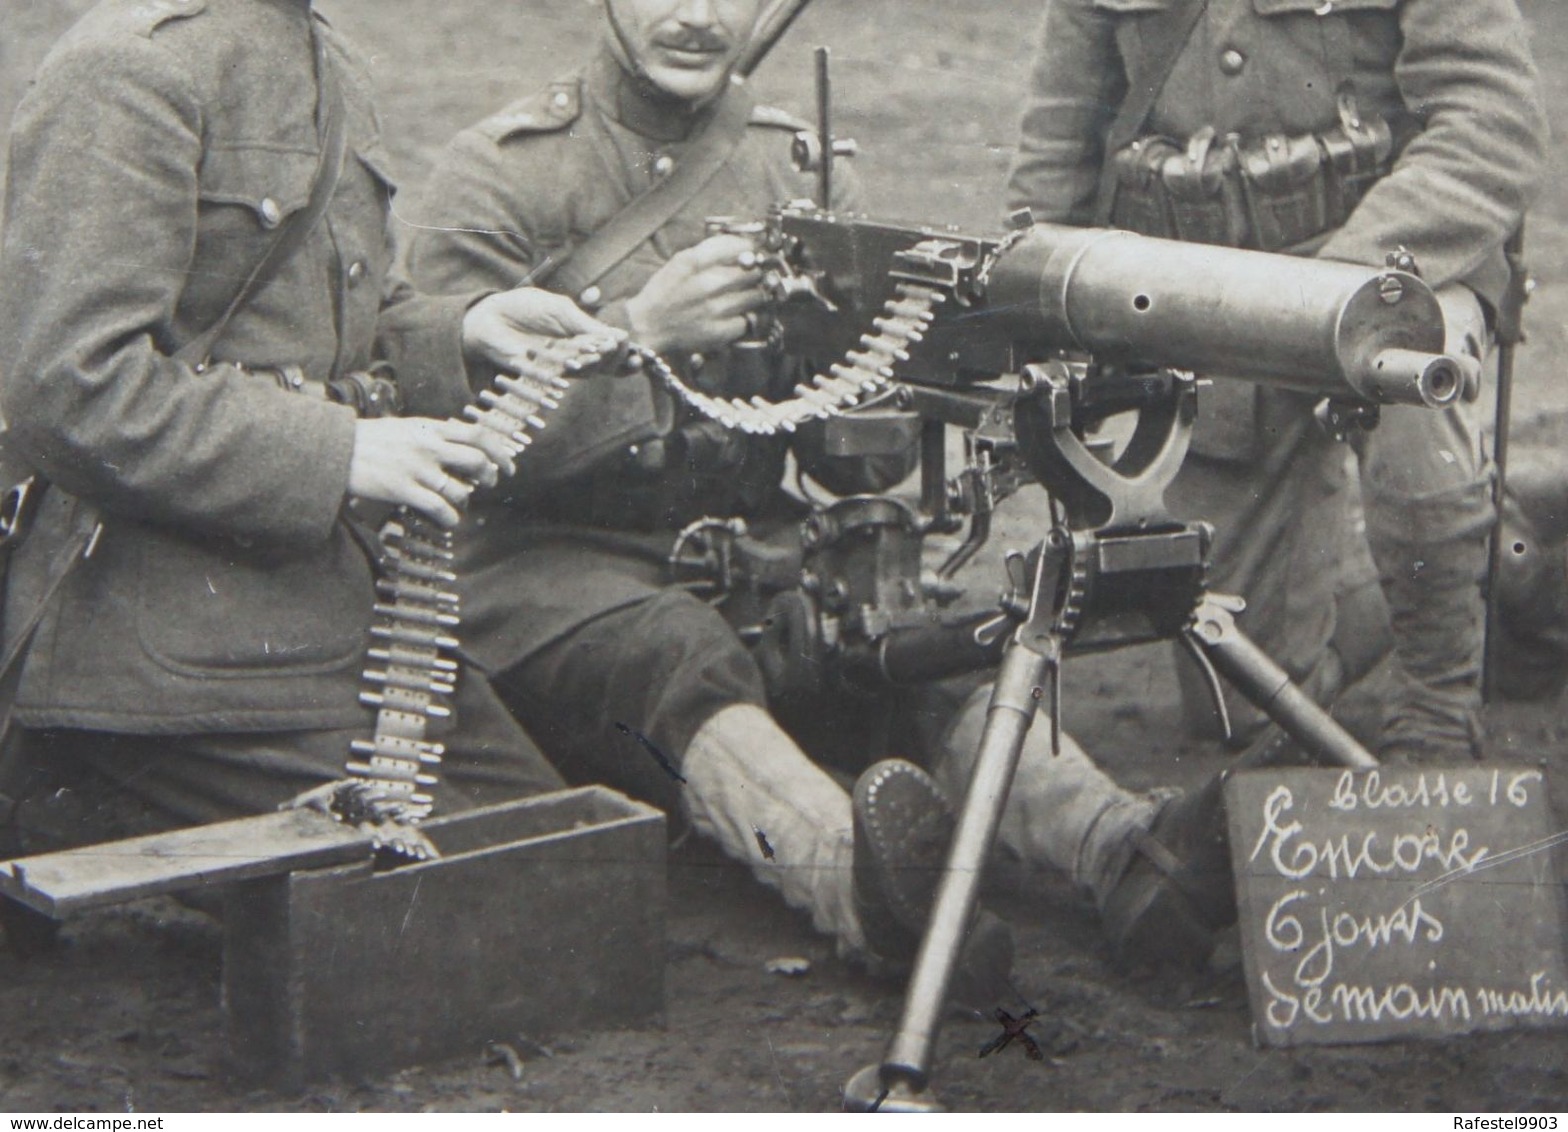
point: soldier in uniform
(1347, 130)
(202, 647)
(566, 590)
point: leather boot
(1175, 890)
(1064, 812)
(1438, 611)
(903, 828)
(751, 789)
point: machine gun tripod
(1135, 578)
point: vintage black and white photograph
(783, 556)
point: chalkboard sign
(1398, 902)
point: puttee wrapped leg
(747, 783)
(1427, 488)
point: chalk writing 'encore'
(1346, 856)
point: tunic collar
(638, 106)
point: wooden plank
(1404, 902)
(58, 884)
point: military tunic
(1455, 83)
(161, 147)
(621, 467)
(565, 588)
(1454, 79)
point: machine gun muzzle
(1335, 329)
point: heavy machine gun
(1028, 343)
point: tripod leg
(906, 1069)
(1267, 685)
(1183, 872)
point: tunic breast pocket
(1343, 36)
(370, 185)
(248, 191)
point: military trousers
(619, 700)
(79, 787)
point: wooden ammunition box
(541, 916)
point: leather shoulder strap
(332, 131)
(646, 213)
(1170, 28)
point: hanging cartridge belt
(412, 662)
(1269, 193)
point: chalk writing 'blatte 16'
(1514, 788)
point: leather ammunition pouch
(1272, 193)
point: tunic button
(663, 165)
(1232, 61)
(591, 297)
(271, 212)
(561, 100)
(356, 272)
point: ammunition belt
(864, 373)
(1271, 193)
(412, 664)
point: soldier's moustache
(693, 39)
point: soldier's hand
(416, 461)
(699, 299)
(500, 329)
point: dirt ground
(126, 1015)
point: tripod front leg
(901, 1081)
(1213, 633)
